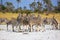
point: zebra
(54, 22)
(14, 22)
(2, 20)
(35, 21)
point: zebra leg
(29, 28)
(13, 28)
(19, 27)
(56, 27)
(7, 26)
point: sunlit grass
(14, 15)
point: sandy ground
(46, 35)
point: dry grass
(14, 15)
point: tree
(24, 9)
(36, 6)
(59, 5)
(2, 8)
(18, 1)
(18, 10)
(33, 5)
(48, 5)
(1, 4)
(9, 7)
(57, 8)
(39, 6)
(1, 1)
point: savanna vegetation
(8, 10)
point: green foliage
(3, 7)
(48, 5)
(18, 0)
(57, 10)
(34, 7)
